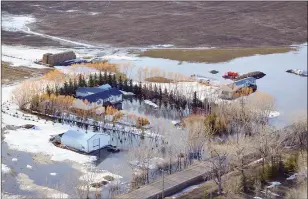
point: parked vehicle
(230, 75)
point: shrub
(269, 172)
(290, 164)
(109, 178)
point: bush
(290, 164)
(109, 178)
(269, 172)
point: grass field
(11, 74)
(212, 55)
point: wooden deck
(172, 183)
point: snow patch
(273, 184)
(29, 166)
(127, 93)
(292, 177)
(151, 103)
(53, 174)
(119, 57)
(14, 159)
(15, 23)
(5, 169)
(79, 69)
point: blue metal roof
(244, 81)
(102, 95)
(88, 89)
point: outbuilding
(85, 141)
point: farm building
(85, 142)
(229, 91)
(53, 59)
(85, 91)
(103, 95)
(112, 97)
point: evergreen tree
(48, 91)
(195, 100)
(75, 86)
(80, 81)
(70, 87)
(57, 92)
(91, 81)
(130, 89)
(95, 79)
(160, 93)
(155, 90)
(100, 79)
(125, 85)
(165, 95)
(144, 91)
(114, 81)
(135, 89)
(65, 89)
(120, 83)
(61, 91)
(106, 78)
(109, 80)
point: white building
(86, 142)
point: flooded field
(283, 86)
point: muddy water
(289, 90)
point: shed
(86, 142)
(249, 81)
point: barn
(85, 142)
(53, 59)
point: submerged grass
(212, 55)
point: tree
(120, 83)
(195, 100)
(80, 81)
(130, 85)
(114, 81)
(70, 87)
(75, 86)
(65, 88)
(125, 85)
(109, 79)
(100, 78)
(91, 81)
(48, 91)
(95, 79)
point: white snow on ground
(25, 56)
(273, 184)
(162, 46)
(37, 141)
(73, 70)
(53, 174)
(151, 103)
(127, 93)
(11, 196)
(29, 166)
(256, 197)
(14, 159)
(94, 13)
(292, 177)
(72, 11)
(5, 169)
(119, 57)
(26, 184)
(16, 23)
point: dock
(172, 183)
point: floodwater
(39, 173)
(289, 90)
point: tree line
(141, 90)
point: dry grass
(158, 80)
(212, 55)
(11, 74)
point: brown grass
(159, 80)
(11, 74)
(212, 55)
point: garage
(85, 141)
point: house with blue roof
(228, 91)
(103, 95)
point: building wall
(97, 142)
(53, 59)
